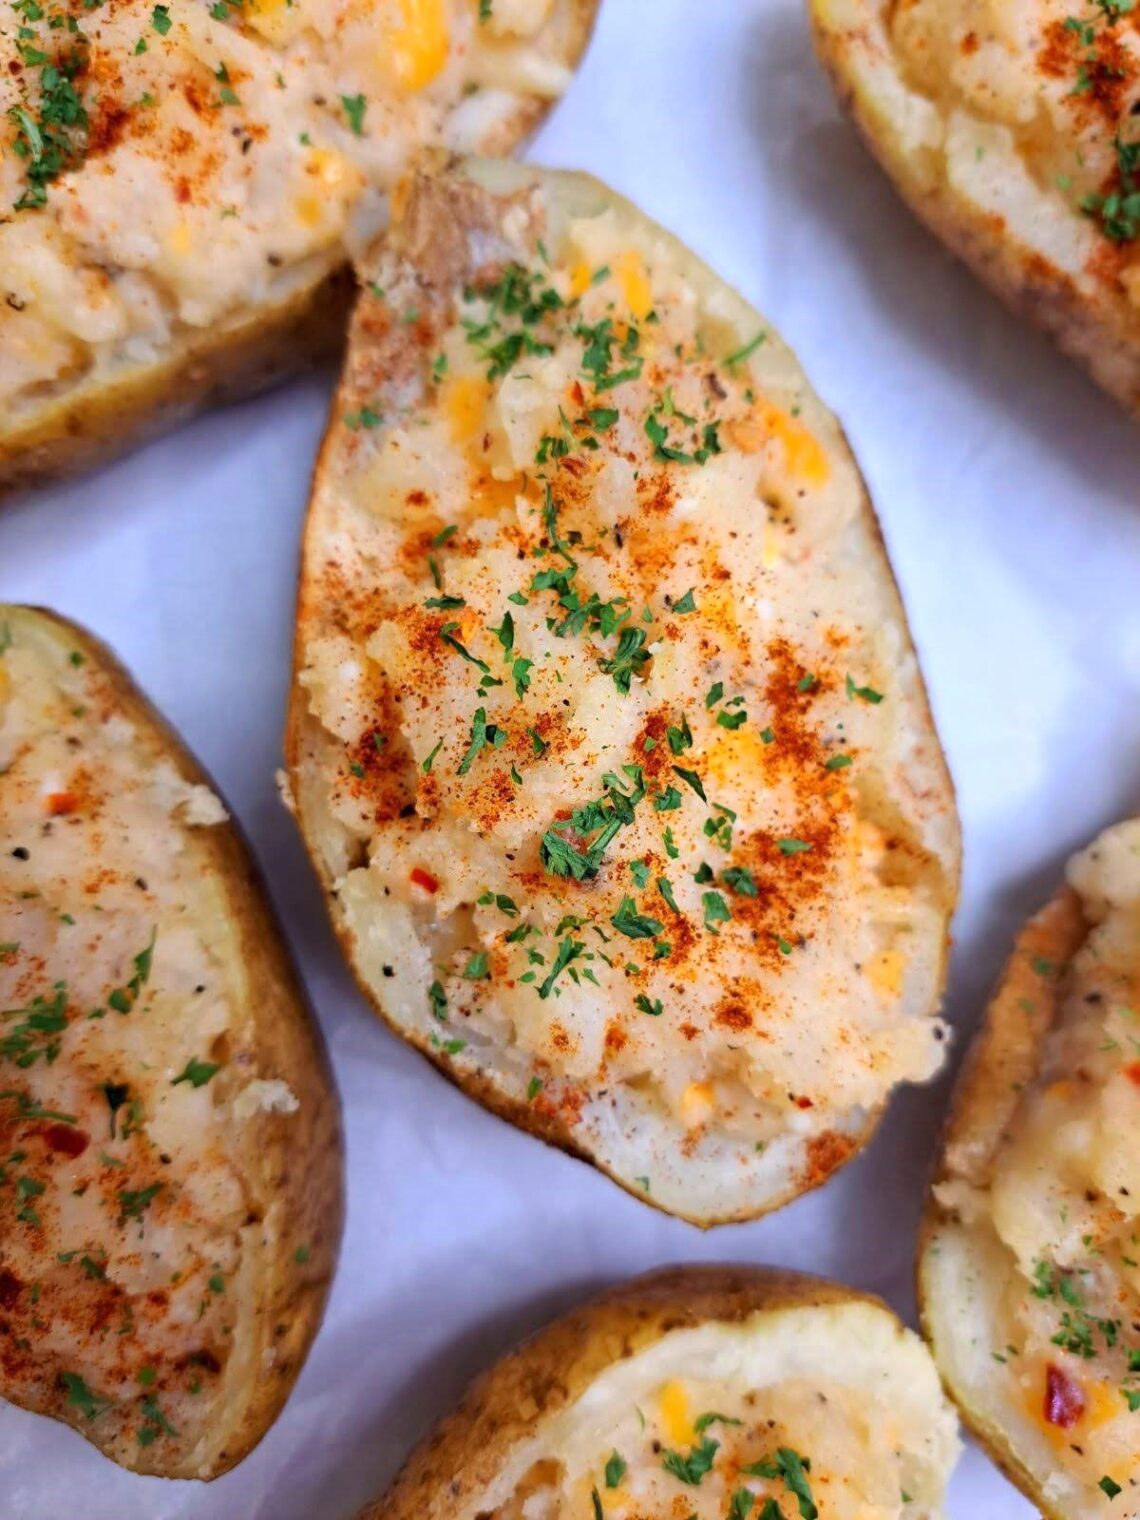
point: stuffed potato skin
(280, 1120)
(455, 1469)
(167, 365)
(362, 763)
(1052, 1408)
(1036, 242)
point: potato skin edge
(554, 1367)
(1006, 1050)
(305, 1169)
(1102, 338)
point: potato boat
(182, 185)
(1028, 1273)
(1011, 130)
(170, 1148)
(696, 1391)
(607, 737)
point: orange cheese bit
(631, 274)
(419, 44)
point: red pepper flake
(1064, 1401)
(804, 1103)
(1133, 1072)
(424, 879)
(59, 803)
(66, 1139)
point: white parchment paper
(1008, 490)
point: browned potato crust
(298, 1191)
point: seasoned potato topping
(697, 1394)
(167, 168)
(1040, 1249)
(615, 751)
(135, 1295)
(1011, 127)
(1048, 86)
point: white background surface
(1008, 493)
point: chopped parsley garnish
(686, 603)
(133, 1205)
(615, 1470)
(438, 1000)
(80, 1396)
(739, 356)
(580, 857)
(484, 735)
(864, 693)
(793, 846)
(793, 1470)
(196, 1072)
(654, 1008)
(717, 911)
(634, 925)
(693, 780)
(354, 109)
(692, 1468)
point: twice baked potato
(1010, 127)
(607, 737)
(696, 1392)
(170, 1150)
(1028, 1274)
(181, 186)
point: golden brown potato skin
(92, 424)
(551, 1370)
(96, 422)
(1003, 1058)
(301, 1154)
(1101, 333)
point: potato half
(181, 187)
(1029, 1274)
(1010, 130)
(170, 1188)
(696, 1391)
(607, 737)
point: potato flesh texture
(1022, 139)
(1063, 1188)
(719, 515)
(81, 791)
(866, 1444)
(198, 205)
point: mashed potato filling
(1054, 1226)
(704, 1425)
(1033, 115)
(616, 775)
(166, 167)
(123, 1209)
